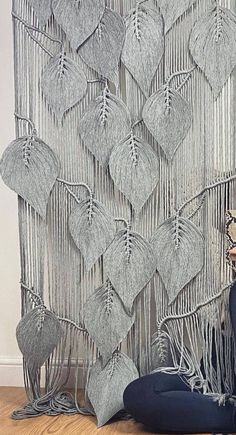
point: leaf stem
(61, 319)
(32, 293)
(178, 73)
(72, 194)
(198, 207)
(31, 123)
(136, 123)
(181, 85)
(36, 29)
(101, 79)
(127, 223)
(73, 324)
(95, 81)
(206, 189)
(192, 312)
(76, 184)
(39, 43)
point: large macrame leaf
(30, 168)
(134, 168)
(93, 228)
(168, 117)
(129, 263)
(106, 122)
(63, 83)
(106, 320)
(38, 333)
(213, 45)
(107, 385)
(179, 249)
(42, 9)
(172, 10)
(102, 50)
(144, 44)
(78, 18)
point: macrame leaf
(106, 122)
(42, 9)
(93, 228)
(107, 385)
(38, 333)
(63, 83)
(106, 320)
(144, 44)
(179, 249)
(30, 168)
(213, 45)
(168, 117)
(78, 18)
(134, 168)
(129, 263)
(172, 10)
(102, 50)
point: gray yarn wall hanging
(124, 165)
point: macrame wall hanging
(124, 164)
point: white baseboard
(11, 373)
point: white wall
(10, 360)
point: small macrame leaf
(42, 9)
(63, 83)
(144, 44)
(106, 320)
(102, 50)
(129, 263)
(93, 228)
(213, 45)
(179, 249)
(106, 385)
(30, 168)
(78, 18)
(172, 10)
(38, 333)
(134, 168)
(105, 123)
(168, 117)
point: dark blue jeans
(165, 404)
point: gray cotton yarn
(38, 333)
(134, 168)
(106, 320)
(102, 50)
(214, 49)
(105, 122)
(168, 117)
(134, 273)
(144, 44)
(116, 376)
(129, 263)
(172, 10)
(93, 228)
(82, 15)
(42, 9)
(63, 83)
(30, 168)
(179, 248)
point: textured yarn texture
(124, 165)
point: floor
(13, 398)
